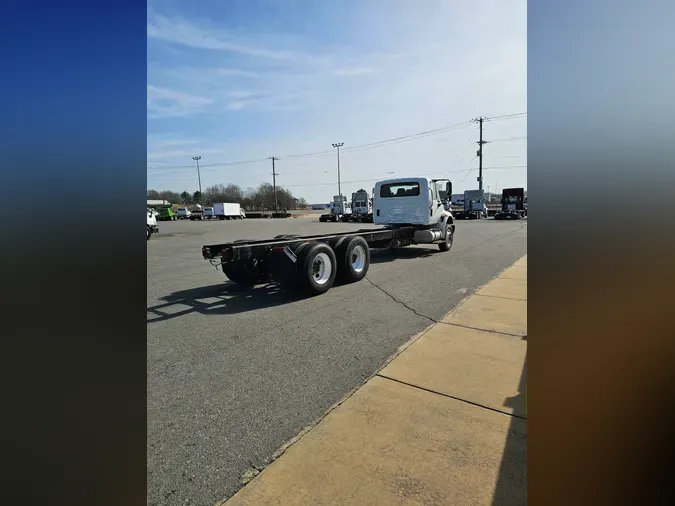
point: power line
(393, 140)
(216, 164)
(510, 138)
(377, 178)
(507, 116)
(505, 167)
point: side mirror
(448, 188)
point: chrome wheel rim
(322, 268)
(358, 258)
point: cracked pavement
(234, 374)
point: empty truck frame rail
(312, 263)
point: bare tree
(251, 199)
(170, 196)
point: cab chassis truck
(311, 264)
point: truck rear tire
(317, 268)
(353, 259)
(447, 243)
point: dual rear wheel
(319, 265)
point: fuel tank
(427, 236)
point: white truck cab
(152, 227)
(408, 201)
(341, 205)
(182, 213)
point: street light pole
(338, 145)
(199, 177)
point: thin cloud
(164, 102)
(241, 94)
(238, 105)
(237, 73)
(353, 72)
(181, 31)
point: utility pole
(479, 153)
(199, 177)
(338, 145)
(274, 182)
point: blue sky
(244, 80)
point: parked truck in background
(474, 206)
(513, 204)
(152, 227)
(165, 212)
(228, 211)
(208, 213)
(362, 208)
(197, 212)
(339, 208)
(457, 199)
(409, 210)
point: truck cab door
(437, 208)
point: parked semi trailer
(410, 211)
(513, 204)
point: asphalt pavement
(235, 373)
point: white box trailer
(226, 211)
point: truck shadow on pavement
(511, 487)
(380, 256)
(219, 299)
(230, 298)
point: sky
(237, 82)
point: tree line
(251, 199)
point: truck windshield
(400, 190)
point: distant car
(183, 213)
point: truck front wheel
(148, 233)
(447, 243)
